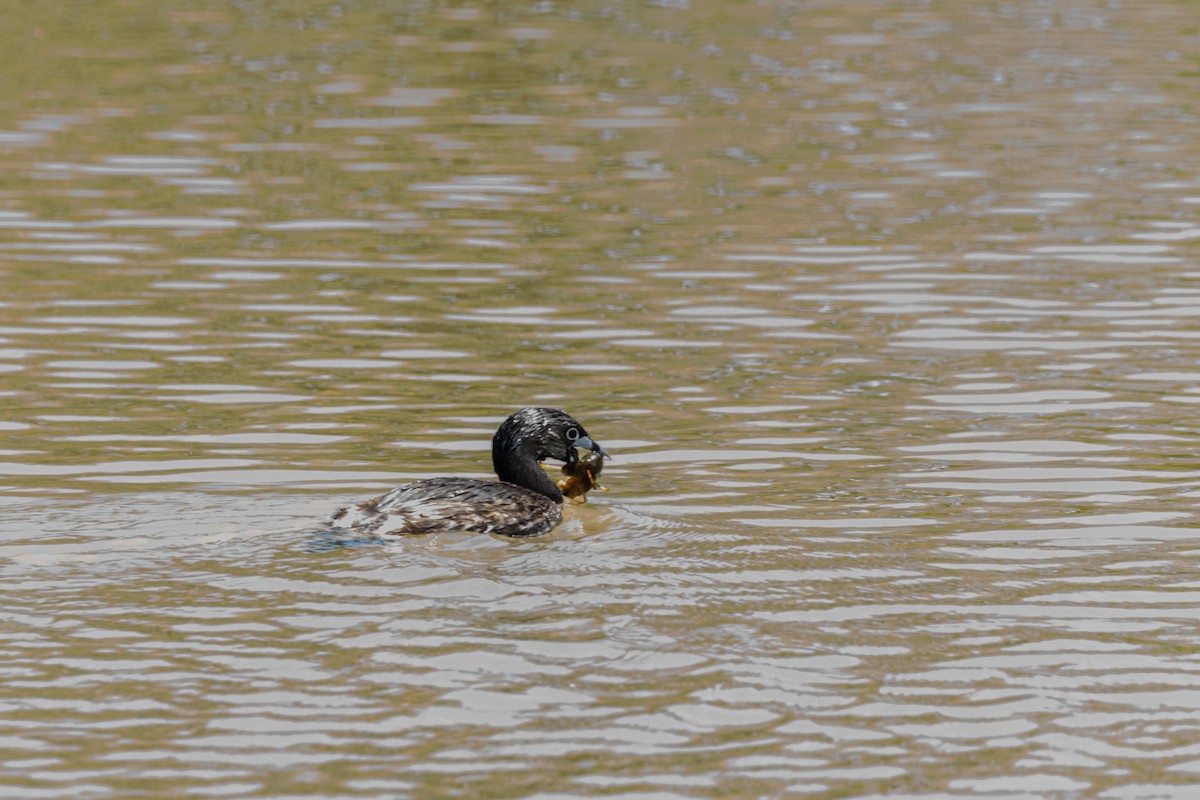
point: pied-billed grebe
(524, 502)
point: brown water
(886, 310)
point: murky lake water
(886, 311)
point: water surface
(887, 312)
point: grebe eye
(572, 434)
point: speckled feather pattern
(458, 504)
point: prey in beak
(586, 443)
(582, 471)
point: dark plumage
(524, 502)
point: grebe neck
(526, 472)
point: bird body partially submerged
(460, 504)
(524, 502)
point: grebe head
(538, 434)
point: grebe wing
(449, 504)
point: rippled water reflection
(885, 312)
